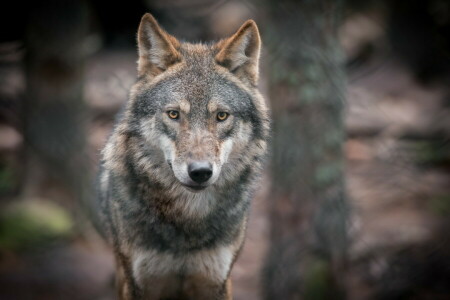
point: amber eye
(222, 116)
(173, 114)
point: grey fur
(143, 203)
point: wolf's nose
(200, 171)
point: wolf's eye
(222, 116)
(173, 114)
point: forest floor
(397, 201)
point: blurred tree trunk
(54, 113)
(309, 213)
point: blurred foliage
(29, 224)
(317, 280)
(8, 179)
(440, 205)
(432, 152)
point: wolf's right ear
(157, 48)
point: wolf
(178, 171)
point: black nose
(200, 171)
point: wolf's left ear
(240, 52)
(157, 48)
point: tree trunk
(54, 113)
(309, 213)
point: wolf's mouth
(195, 188)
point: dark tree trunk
(54, 113)
(309, 213)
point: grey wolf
(179, 169)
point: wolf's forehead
(201, 89)
(190, 87)
(199, 83)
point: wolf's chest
(211, 263)
(182, 231)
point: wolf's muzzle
(200, 171)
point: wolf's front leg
(125, 283)
(200, 287)
(228, 290)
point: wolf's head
(196, 106)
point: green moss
(317, 280)
(7, 179)
(440, 205)
(313, 72)
(327, 173)
(432, 152)
(307, 93)
(32, 223)
(334, 137)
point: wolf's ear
(157, 48)
(240, 52)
